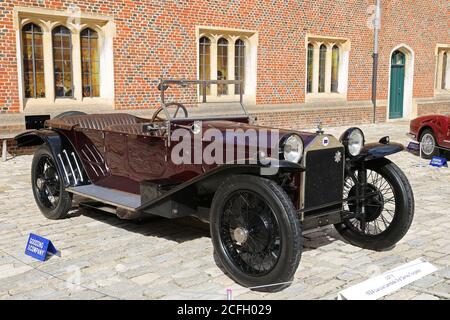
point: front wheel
(389, 207)
(255, 232)
(428, 144)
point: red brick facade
(155, 38)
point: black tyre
(70, 113)
(428, 144)
(256, 232)
(389, 208)
(48, 189)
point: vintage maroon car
(257, 205)
(433, 133)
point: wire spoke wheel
(47, 183)
(428, 144)
(250, 233)
(380, 206)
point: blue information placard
(438, 162)
(38, 247)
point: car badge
(326, 141)
(338, 157)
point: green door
(397, 85)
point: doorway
(397, 91)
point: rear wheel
(428, 144)
(389, 207)
(48, 189)
(256, 232)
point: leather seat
(94, 121)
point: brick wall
(433, 108)
(330, 117)
(157, 38)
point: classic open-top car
(258, 198)
(433, 133)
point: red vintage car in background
(433, 132)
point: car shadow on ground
(178, 230)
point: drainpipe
(376, 25)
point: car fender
(372, 151)
(61, 148)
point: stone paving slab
(106, 258)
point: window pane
(205, 62)
(310, 68)
(222, 65)
(335, 69)
(90, 63)
(239, 65)
(40, 85)
(322, 62)
(444, 71)
(33, 65)
(62, 55)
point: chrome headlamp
(292, 148)
(353, 140)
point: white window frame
(344, 46)
(250, 38)
(48, 20)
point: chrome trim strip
(64, 167)
(71, 167)
(89, 161)
(78, 166)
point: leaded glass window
(309, 82)
(335, 69)
(205, 61)
(90, 63)
(222, 65)
(33, 61)
(322, 65)
(239, 64)
(444, 71)
(62, 59)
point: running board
(120, 199)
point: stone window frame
(439, 72)
(344, 46)
(47, 20)
(250, 39)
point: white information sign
(386, 283)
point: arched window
(322, 64)
(239, 64)
(205, 61)
(222, 65)
(33, 61)
(335, 69)
(309, 80)
(62, 60)
(90, 63)
(444, 71)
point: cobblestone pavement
(162, 259)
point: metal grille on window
(335, 69)
(205, 62)
(310, 68)
(322, 64)
(62, 59)
(222, 65)
(33, 61)
(239, 65)
(90, 63)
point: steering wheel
(160, 115)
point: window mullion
(33, 58)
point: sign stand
(38, 247)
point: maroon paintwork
(122, 155)
(439, 124)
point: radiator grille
(324, 177)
